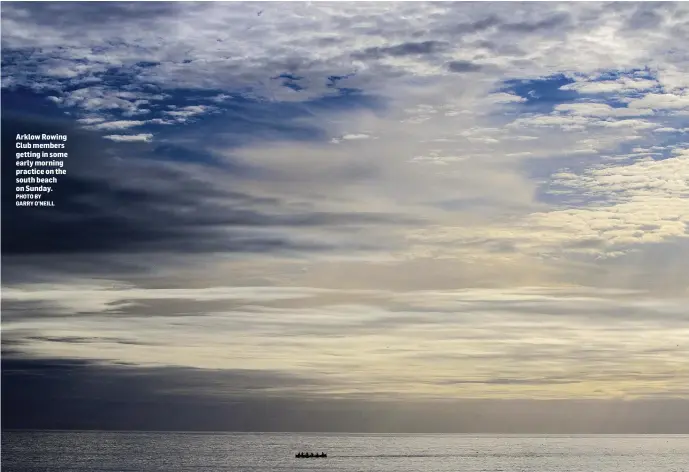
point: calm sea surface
(172, 452)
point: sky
(349, 216)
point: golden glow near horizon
(481, 343)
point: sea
(257, 452)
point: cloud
(110, 220)
(355, 136)
(601, 110)
(671, 130)
(367, 335)
(117, 125)
(656, 101)
(502, 97)
(621, 85)
(350, 137)
(91, 120)
(463, 66)
(557, 20)
(640, 203)
(404, 49)
(145, 137)
(250, 403)
(146, 205)
(184, 113)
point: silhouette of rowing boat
(310, 455)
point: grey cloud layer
(166, 392)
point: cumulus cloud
(90, 120)
(184, 113)
(145, 137)
(350, 137)
(623, 85)
(657, 101)
(116, 125)
(635, 204)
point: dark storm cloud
(463, 66)
(403, 49)
(78, 394)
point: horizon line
(45, 430)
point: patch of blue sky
(241, 114)
(334, 79)
(232, 120)
(658, 149)
(290, 81)
(347, 99)
(540, 95)
(24, 101)
(243, 122)
(549, 191)
(542, 170)
(235, 117)
(15, 57)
